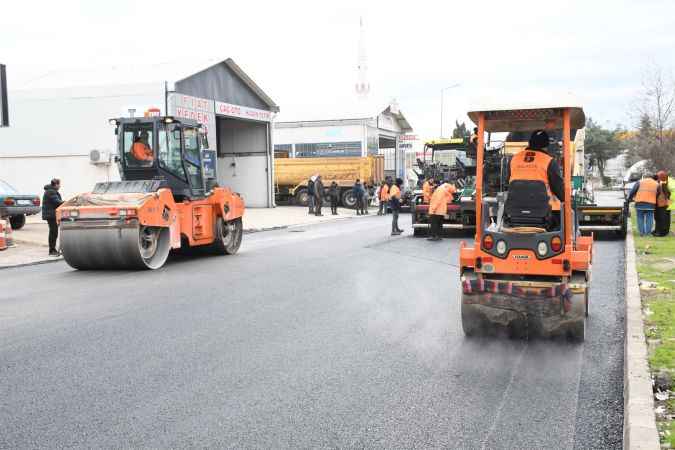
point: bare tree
(655, 139)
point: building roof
(359, 116)
(229, 62)
(135, 74)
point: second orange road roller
(528, 270)
(165, 201)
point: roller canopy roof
(529, 117)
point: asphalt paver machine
(167, 199)
(526, 273)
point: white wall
(77, 175)
(53, 130)
(238, 178)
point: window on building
(283, 150)
(328, 149)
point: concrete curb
(639, 420)
(32, 263)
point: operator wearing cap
(534, 164)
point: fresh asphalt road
(334, 335)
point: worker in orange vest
(438, 208)
(140, 149)
(534, 164)
(395, 205)
(427, 189)
(644, 195)
(662, 213)
(383, 198)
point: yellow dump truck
(291, 176)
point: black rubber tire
(228, 235)
(348, 199)
(17, 222)
(419, 232)
(301, 197)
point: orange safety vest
(647, 191)
(141, 151)
(384, 193)
(440, 198)
(426, 191)
(395, 192)
(533, 165)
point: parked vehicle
(634, 174)
(291, 175)
(16, 206)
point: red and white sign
(243, 112)
(195, 108)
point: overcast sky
(304, 54)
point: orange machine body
(193, 221)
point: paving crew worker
(366, 198)
(51, 200)
(395, 205)
(140, 149)
(318, 195)
(358, 195)
(334, 194)
(644, 195)
(473, 141)
(427, 189)
(438, 208)
(534, 164)
(671, 188)
(384, 198)
(662, 213)
(310, 194)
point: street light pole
(442, 91)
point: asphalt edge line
(639, 419)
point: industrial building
(64, 132)
(360, 135)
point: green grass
(656, 264)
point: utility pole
(4, 104)
(442, 91)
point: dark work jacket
(51, 200)
(318, 189)
(334, 192)
(310, 188)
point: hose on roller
(90, 246)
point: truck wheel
(17, 222)
(227, 237)
(302, 197)
(348, 199)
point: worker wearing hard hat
(534, 164)
(427, 189)
(644, 194)
(438, 208)
(140, 149)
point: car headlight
(542, 248)
(501, 247)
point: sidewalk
(31, 240)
